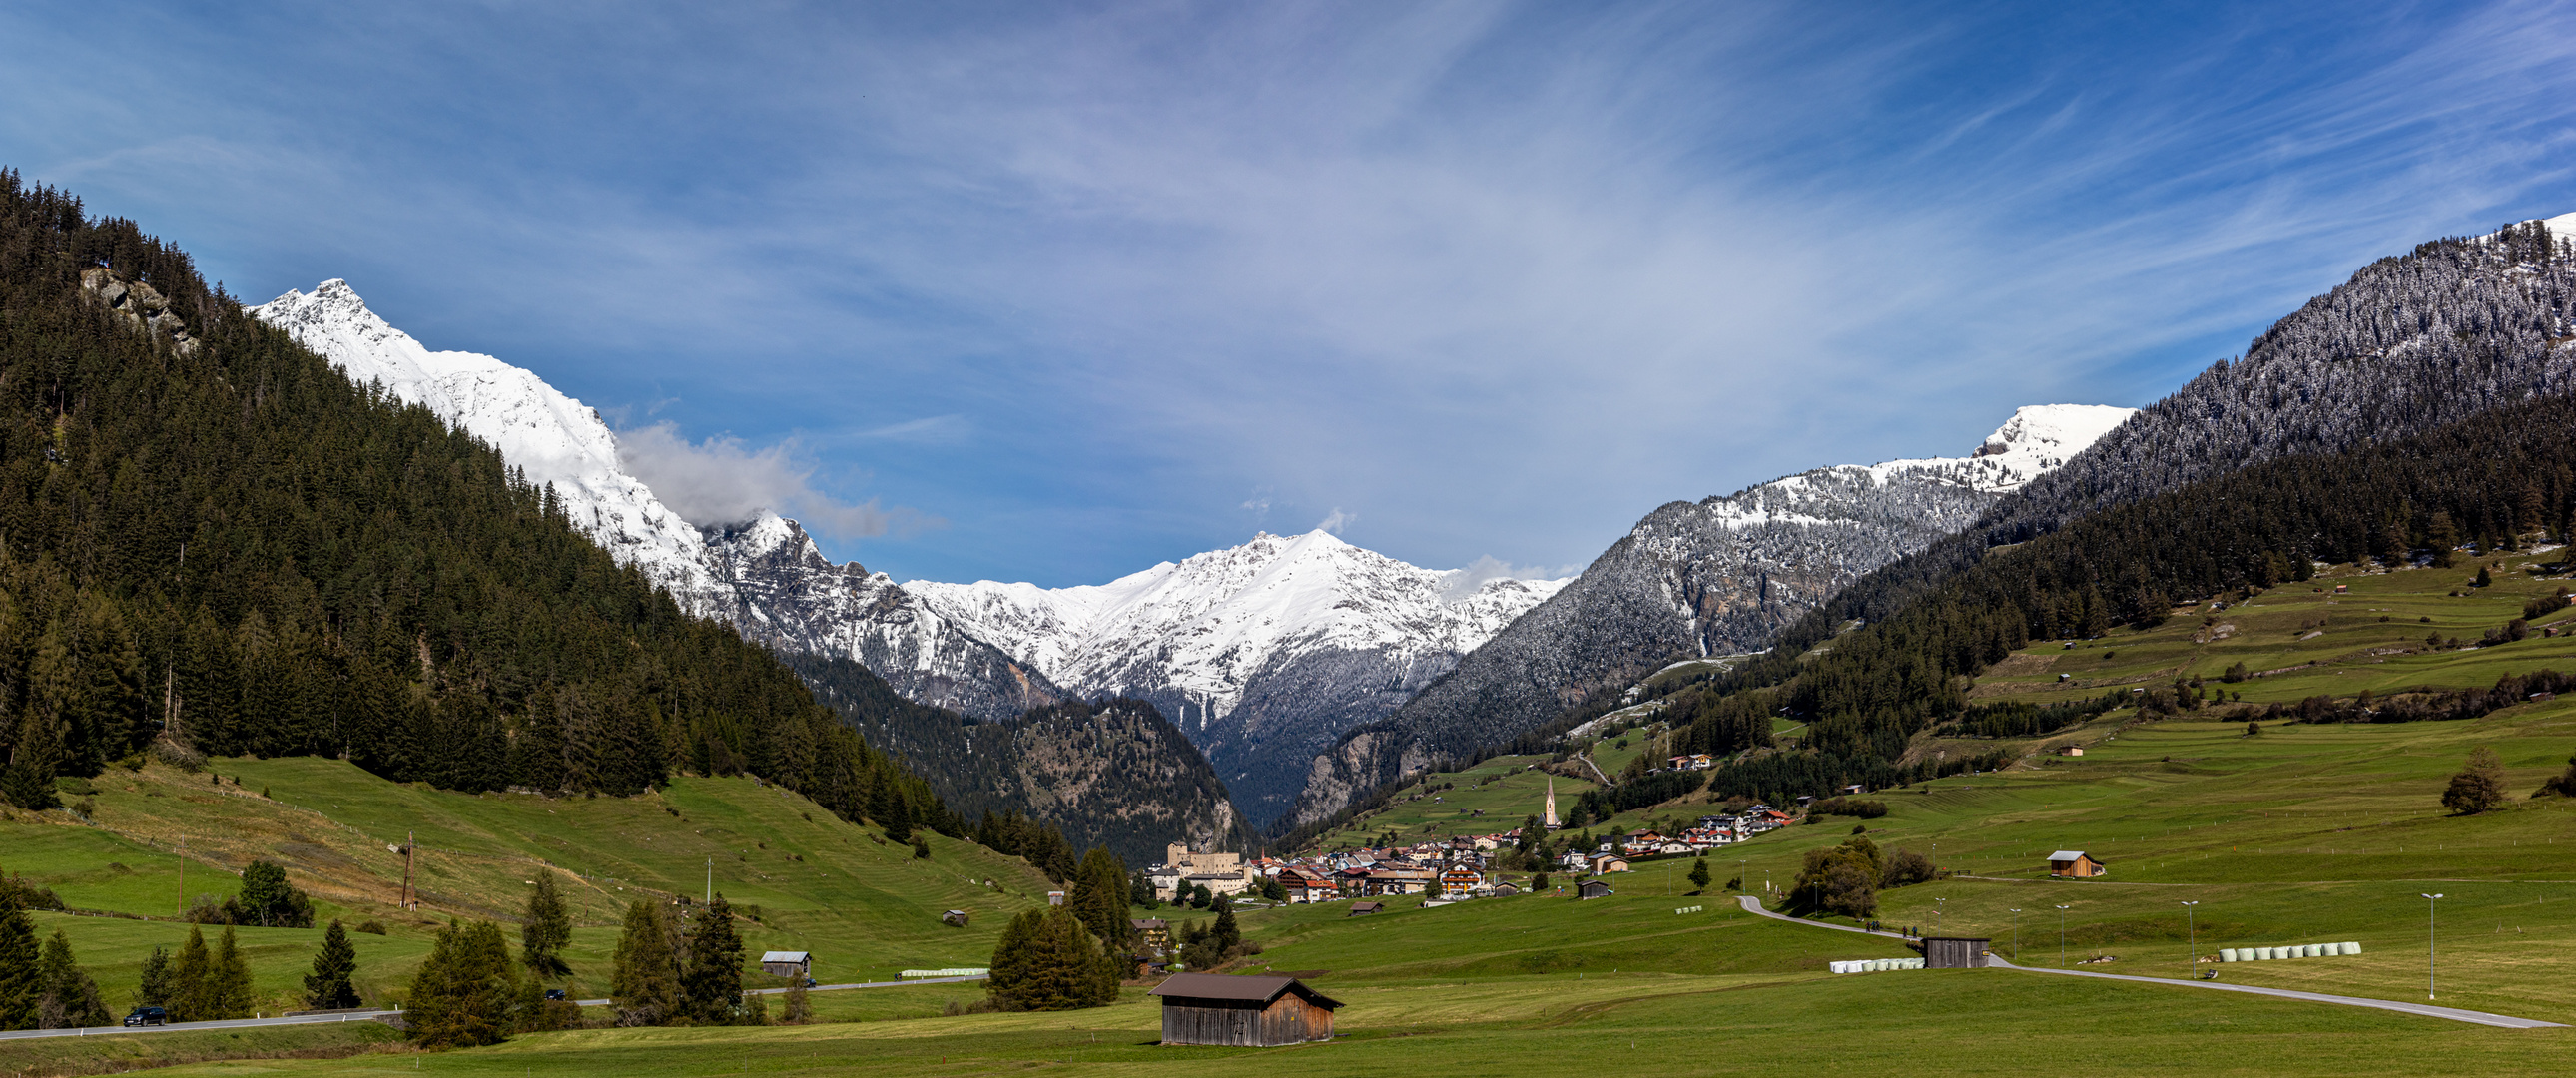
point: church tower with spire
(1549, 820)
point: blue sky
(1054, 291)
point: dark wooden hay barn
(787, 963)
(1954, 952)
(1252, 1012)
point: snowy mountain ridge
(547, 435)
(1262, 653)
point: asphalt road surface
(1753, 904)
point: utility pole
(2432, 942)
(711, 879)
(183, 875)
(2191, 937)
(411, 839)
(2061, 937)
(2016, 935)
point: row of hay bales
(1876, 965)
(2304, 950)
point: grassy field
(866, 908)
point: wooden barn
(1252, 1012)
(1954, 952)
(1593, 889)
(787, 963)
(2076, 863)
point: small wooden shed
(1593, 889)
(1954, 952)
(787, 963)
(1252, 1012)
(2076, 863)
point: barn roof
(1262, 990)
(783, 956)
(2069, 855)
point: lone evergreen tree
(71, 997)
(188, 1001)
(328, 987)
(2478, 787)
(1699, 875)
(1227, 935)
(154, 989)
(547, 932)
(465, 990)
(228, 992)
(645, 989)
(712, 983)
(20, 989)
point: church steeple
(1550, 819)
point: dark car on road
(148, 1016)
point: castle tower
(1550, 819)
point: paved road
(1753, 904)
(361, 1016)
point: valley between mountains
(1264, 656)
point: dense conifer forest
(211, 542)
(2490, 482)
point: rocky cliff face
(1714, 577)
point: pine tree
(1228, 935)
(465, 991)
(154, 989)
(2479, 787)
(188, 983)
(1099, 898)
(1009, 966)
(645, 989)
(1699, 875)
(21, 986)
(328, 987)
(547, 931)
(712, 983)
(70, 997)
(228, 990)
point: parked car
(554, 993)
(148, 1016)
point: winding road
(362, 1016)
(1753, 904)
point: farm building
(1594, 889)
(2076, 863)
(1154, 931)
(2070, 750)
(787, 963)
(954, 918)
(1954, 952)
(1253, 1012)
(1363, 909)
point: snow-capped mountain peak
(550, 436)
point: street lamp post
(2061, 937)
(2432, 944)
(2016, 935)
(2191, 938)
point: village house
(1307, 885)
(1460, 882)
(2076, 863)
(1608, 863)
(1155, 933)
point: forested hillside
(2453, 329)
(1115, 774)
(211, 542)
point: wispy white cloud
(722, 480)
(1336, 520)
(1500, 277)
